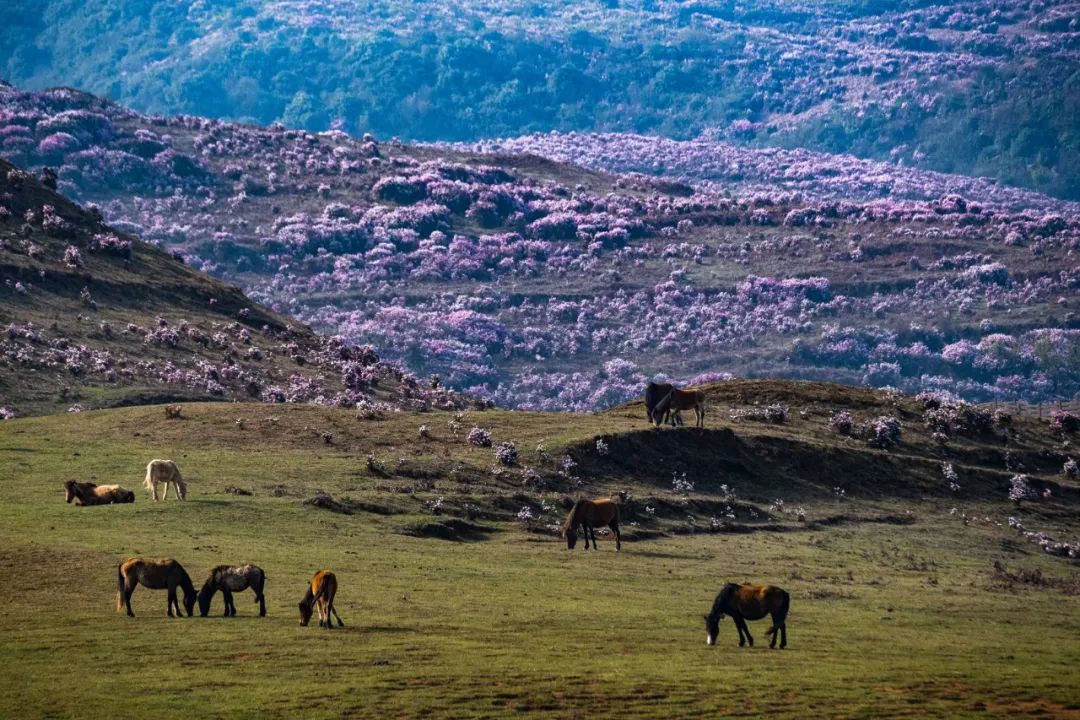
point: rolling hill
(93, 317)
(540, 284)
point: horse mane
(569, 523)
(722, 599)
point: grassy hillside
(94, 318)
(897, 606)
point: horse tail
(781, 613)
(119, 585)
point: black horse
(654, 394)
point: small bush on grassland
(480, 437)
(842, 422)
(1065, 421)
(883, 432)
(506, 453)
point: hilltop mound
(542, 285)
(93, 317)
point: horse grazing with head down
(654, 393)
(587, 514)
(749, 602)
(320, 594)
(677, 400)
(229, 579)
(156, 575)
(164, 471)
(87, 493)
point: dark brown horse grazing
(156, 575)
(749, 602)
(654, 393)
(588, 514)
(88, 493)
(229, 579)
(321, 593)
(681, 400)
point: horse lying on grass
(588, 514)
(749, 602)
(230, 579)
(164, 471)
(87, 493)
(321, 593)
(156, 575)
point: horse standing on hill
(654, 393)
(156, 575)
(587, 514)
(164, 471)
(229, 579)
(749, 602)
(681, 400)
(321, 593)
(88, 493)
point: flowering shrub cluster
(883, 432)
(480, 437)
(506, 453)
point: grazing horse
(749, 602)
(681, 400)
(87, 493)
(229, 579)
(321, 593)
(156, 575)
(654, 393)
(588, 514)
(164, 471)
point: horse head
(206, 594)
(571, 538)
(189, 599)
(69, 491)
(712, 627)
(305, 612)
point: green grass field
(888, 619)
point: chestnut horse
(88, 493)
(677, 400)
(321, 593)
(229, 579)
(156, 575)
(749, 602)
(587, 514)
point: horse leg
(746, 629)
(585, 534)
(129, 589)
(614, 525)
(592, 530)
(227, 597)
(334, 610)
(153, 490)
(173, 600)
(261, 599)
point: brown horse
(654, 393)
(749, 602)
(677, 400)
(229, 579)
(88, 493)
(156, 575)
(587, 514)
(321, 593)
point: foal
(321, 593)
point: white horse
(164, 471)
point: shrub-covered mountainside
(92, 317)
(543, 285)
(982, 87)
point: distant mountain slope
(545, 285)
(90, 317)
(980, 87)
